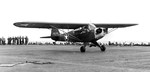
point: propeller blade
(91, 26)
(46, 37)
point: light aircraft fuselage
(82, 32)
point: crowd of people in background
(19, 40)
(24, 40)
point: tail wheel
(103, 48)
(82, 49)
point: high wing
(67, 25)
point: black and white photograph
(74, 36)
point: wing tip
(20, 24)
(132, 25)
(15, 24)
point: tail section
(55, 32)
(55, 35)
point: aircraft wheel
(82, 49)
(90, 46)
(103, 48)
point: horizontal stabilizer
(46, 37)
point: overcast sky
(80, 11)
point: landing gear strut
(102, 47)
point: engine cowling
(99, 30)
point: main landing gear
(102, 47)
(83, 48)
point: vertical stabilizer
(55, 35)
(55, 32)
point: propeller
(91, 26)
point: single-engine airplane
(81, 32)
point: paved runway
(69, 59)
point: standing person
(26, 40)
(0, 41)
(22, 40)
(13, 40)
(9, 40)
(3, 41)
(17, 38)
